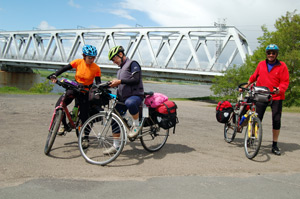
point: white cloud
(203, 12)
(73, 4)
(122, 13)
(122, 26)
(45, 26)
(247, 16)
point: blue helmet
(273, 47)
(89, 50)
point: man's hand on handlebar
(276, 90)
(115, 83)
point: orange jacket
(85, 74)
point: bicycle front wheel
(154, 137)
(253, 137)
(53, 131)
(230, 128)
(104, 144)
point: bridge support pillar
(21, 80)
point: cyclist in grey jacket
(130, 86)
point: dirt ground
(197, 149)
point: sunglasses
(90, 57)
(271, 53)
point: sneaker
(85, 143)
(276, 150)
(134, 131)
(110, 151)
(61, 130)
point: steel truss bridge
(190, 53)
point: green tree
(287, 37)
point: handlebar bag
(261, 94)
(223, 111)
(97, 97)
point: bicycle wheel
(100, 128)
(253, 137)
(53, 131)
(153, 137)
(230, 128)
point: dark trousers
(83, 103)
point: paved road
(195, 163)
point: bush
(44, 87)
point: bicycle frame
(63, 106)
(113, 110)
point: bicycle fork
(250, 126)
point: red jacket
(278, 77)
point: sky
(246, 15)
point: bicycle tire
(53, 131)
(154, 137)
(230, 128)
(252, 141)
(100, 138)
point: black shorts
(276, 107)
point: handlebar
(103, 85)
(68, 86)
(253, 85)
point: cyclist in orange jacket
(86, 72)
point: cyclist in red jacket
(272, 73)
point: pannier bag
(261, 94)
(167, 115)
(223, 111)
(155, 100)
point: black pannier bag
(223, 111)
(166, 115)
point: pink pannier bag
(155, 100)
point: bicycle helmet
(89, 50)
(114, 51)
(272, 47)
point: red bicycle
(60, 111)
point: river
(170, 89)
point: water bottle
(244, 119)
(145, 111)
(74, 113)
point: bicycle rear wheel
(53, 131)
(154, 137)
(230, 128)
(253, 137)
(103, 147)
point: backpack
(223, 111)
(155, 100)
(166, 115)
